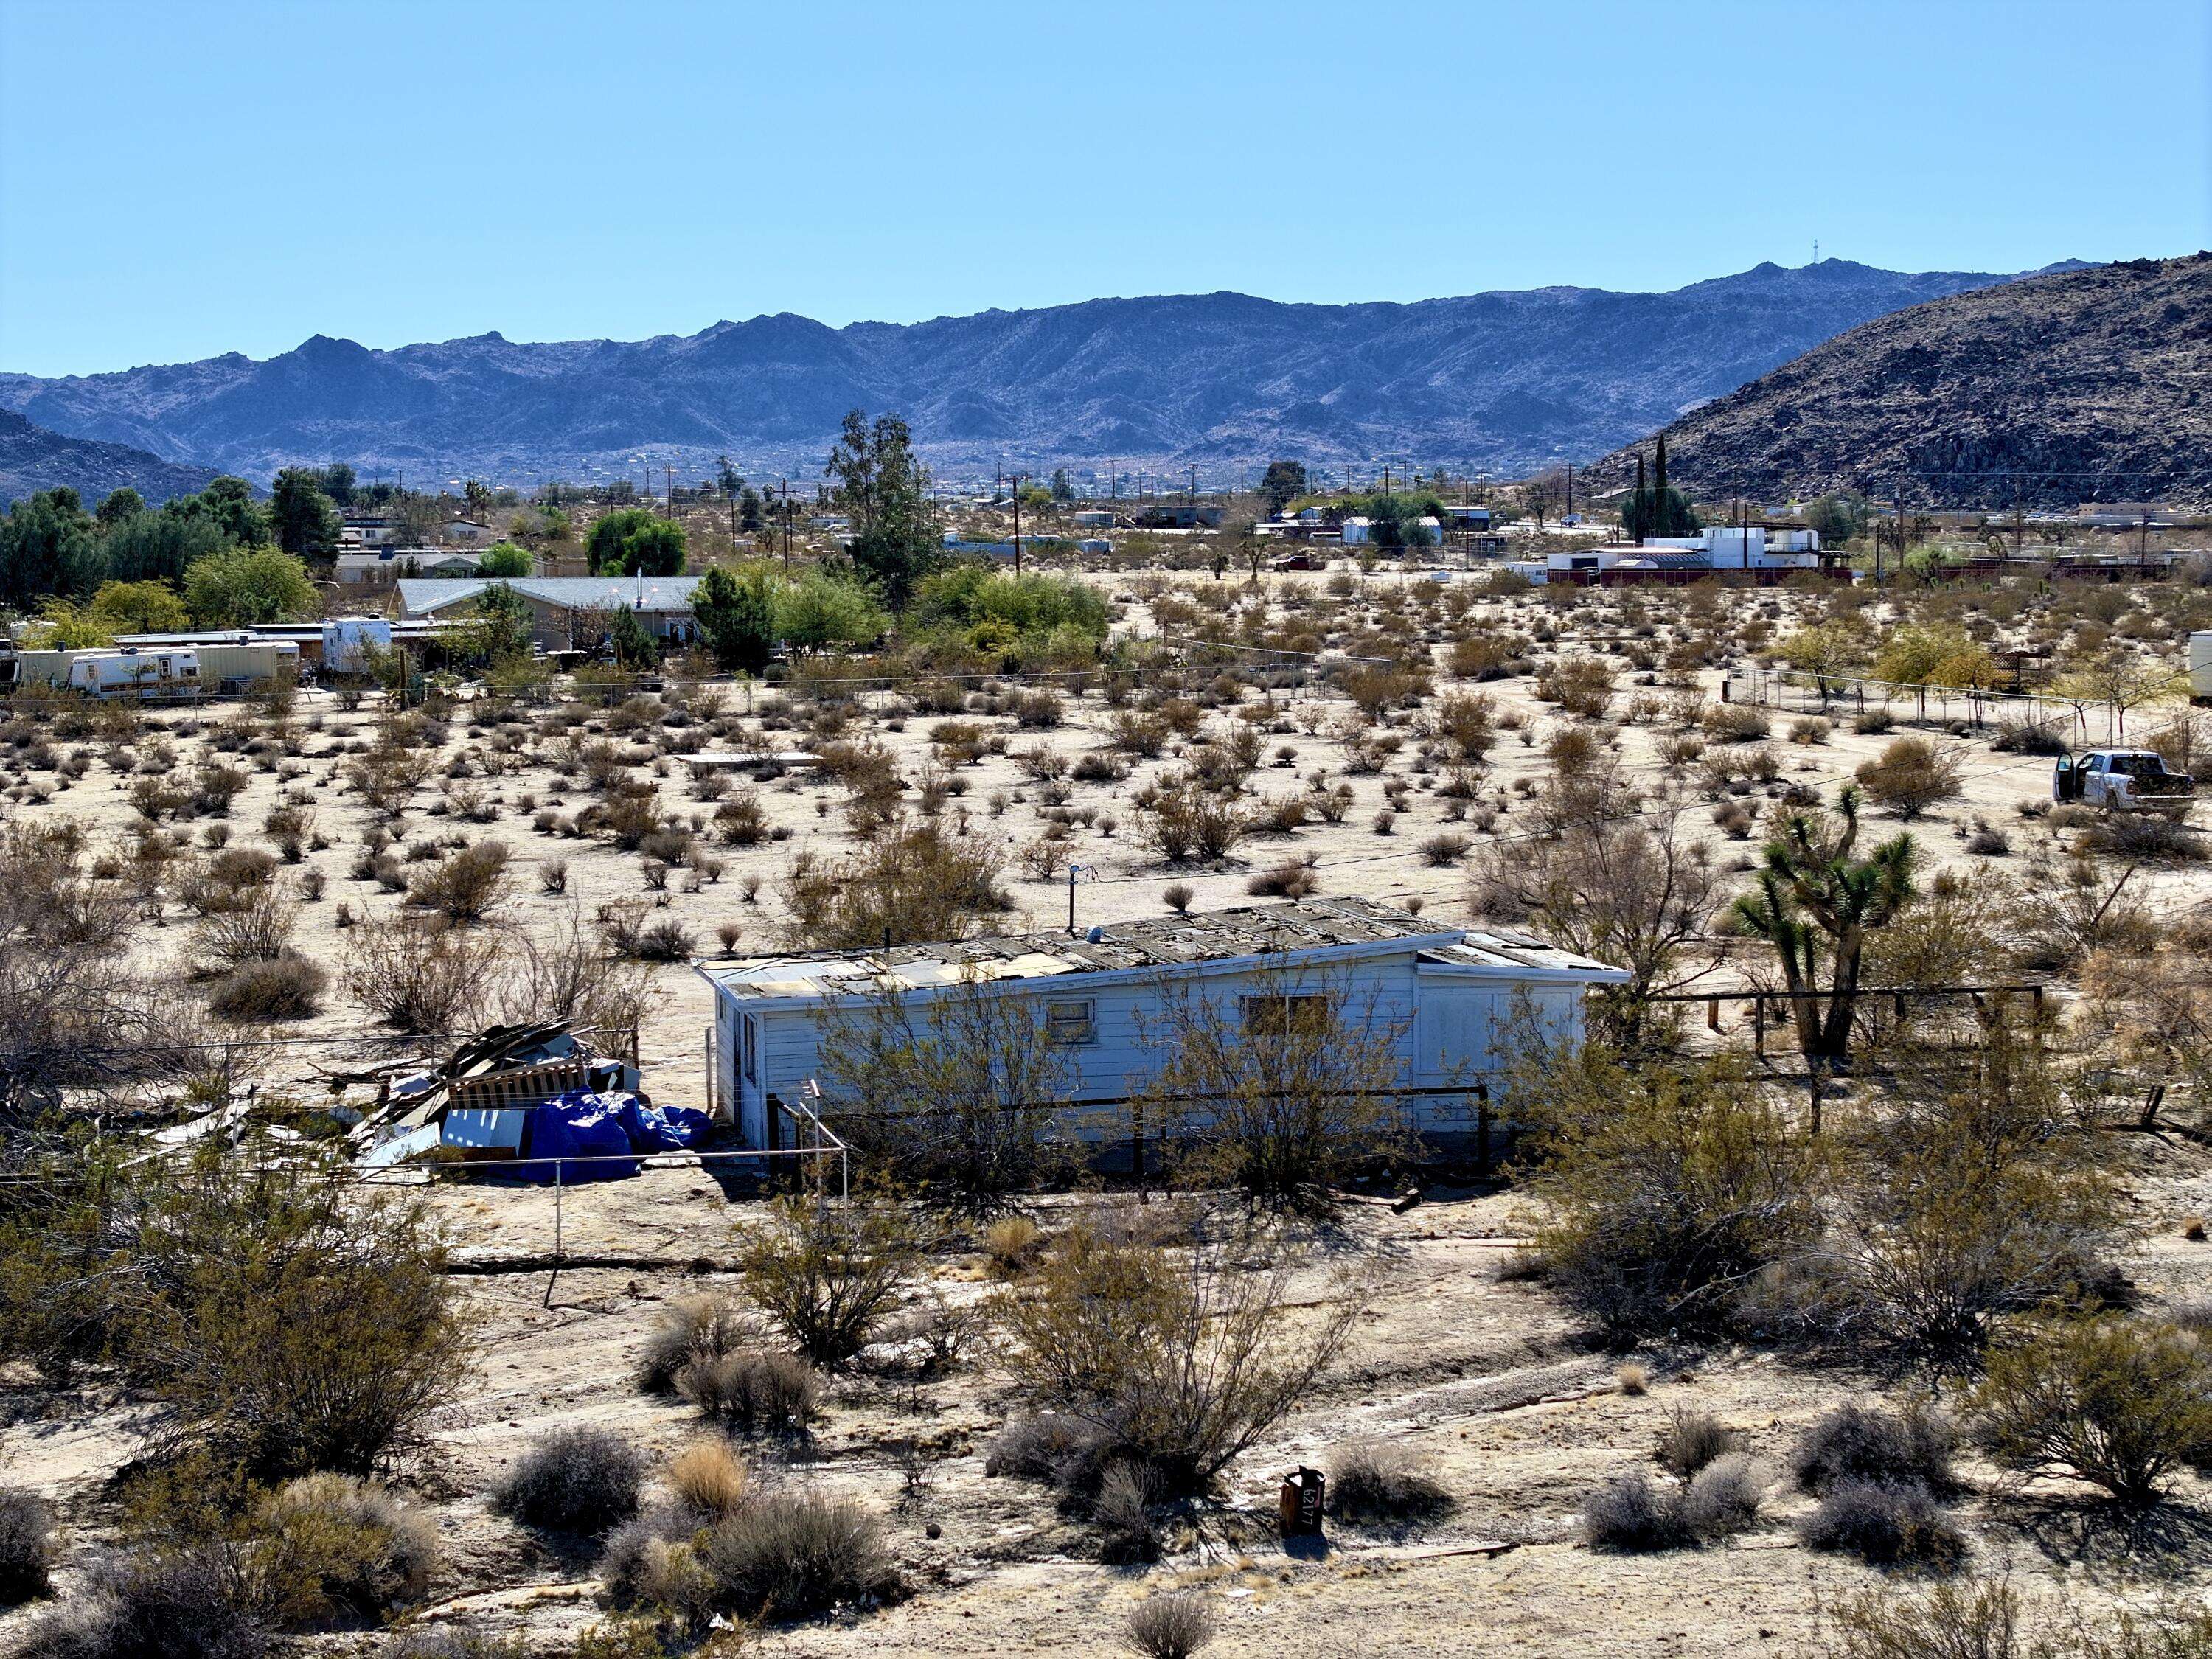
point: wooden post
(1482, 1134)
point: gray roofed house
(1456, 992)
(569, 612)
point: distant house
(569, 612)
(1360, 532)
(1178, 515)
(466, 533)
(1451, 992)
(375, 573)
(369, 531)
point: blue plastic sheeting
(660, 1128)
(571, 1128)
(584, 1123)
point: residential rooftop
(670, 593)
(1159, 941)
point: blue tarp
(584, 1123)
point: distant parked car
(2123, 780)
(1295, 562)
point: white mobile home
(1450, 991)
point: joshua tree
(1814, 899)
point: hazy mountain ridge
(2094, 384)
(33, 458)
(1502, 381)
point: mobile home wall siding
(1451, 1025)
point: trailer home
(1450, 993)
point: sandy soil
(1519, 1412)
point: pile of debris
(534, 1098)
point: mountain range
(2093, 385)
(33, 458)
(1502, 381)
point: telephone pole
(668, 483)
(784, 484)
(1017, 524)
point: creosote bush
(575, 1481)
(1691, 1439)
(2116, 1403)
(1177, 1361)
(825, 1276)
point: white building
(1452, 992)
(466, 533)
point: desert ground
(1514, 1405)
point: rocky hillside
(33, 458)
(1504, 381)
(2093, 385)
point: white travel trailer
(1451, 995)
(136, 674)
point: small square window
(1071, 1022)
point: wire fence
(2084, 721)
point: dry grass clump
(336, 1545)
(1373, 1480)
(1012, 1243)
(573, 1480)
(1691, 1439)
(708, 1479)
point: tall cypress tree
(1639, 506)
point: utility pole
(1017, 524)
(668, 483)
(1113, 481)
(784, 483)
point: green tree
(634, 542)
(1815, 898)
(338, 481)
(1062, 491)
(1838, 518)
(818, 611)
(501, 626)
(226, 503)
(738, 616)
(47, 547)
(504, 559)
(140, 608)
(249, 584)
(160, 546)
(1283, 483)
(305, 522)
(633, 647)
(884, 489)
(119, 506)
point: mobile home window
(750, 1041)
(1283, 1016)
(1071, 1022)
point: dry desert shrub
(708, 1479)
(789, 1554)
(701, 1328)
(417, 974)
(1175, 1626)
(573, 1480)
(752, 1391)
(1373, 1480)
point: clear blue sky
(190, 177)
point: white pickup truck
(2124, 781)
